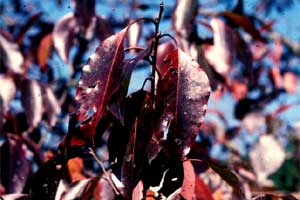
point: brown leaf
(31, 98)
(184, 93)
(244, 22)
(44, 51)
(189, 178)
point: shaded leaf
(26, 27)
(117, 102)
(46, 180)
(226, 175)
(32, 101)
(44, 51)
(16, 168)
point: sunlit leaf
(51, 105)
(11, 58)
(184, 93)
(31, 98)
(189, 178)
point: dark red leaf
(183, 93)
(26, 27)
(100, 79)
(16, 168)
(244, 22)
(202, 191)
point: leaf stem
(155, 46)
(91, 152)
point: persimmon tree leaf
(31, 98)
(184, 93)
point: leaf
(184, 93)
(184, 15)
(51, 105)
(226, 175)
(244, 22)
(100, 79)
(189, 178)
(162, 51)
(223, 47)
(15, 197)
(134, 34)
(63, 35)
(7, 92)
(202, 191)
(137, 193)
(26, 27)
(117, 102)
(31, 98)
(11, 58)
(16, 168)
(46, 180)
(72, 191)
(263, 160)
(44, 51)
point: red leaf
(184, 93)
(32, 101)
(162, 51)
(189, 178)
(16, 168)
(44, 50)
(26, 27)
(202, 191)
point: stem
(155, 46)
(91, 152)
